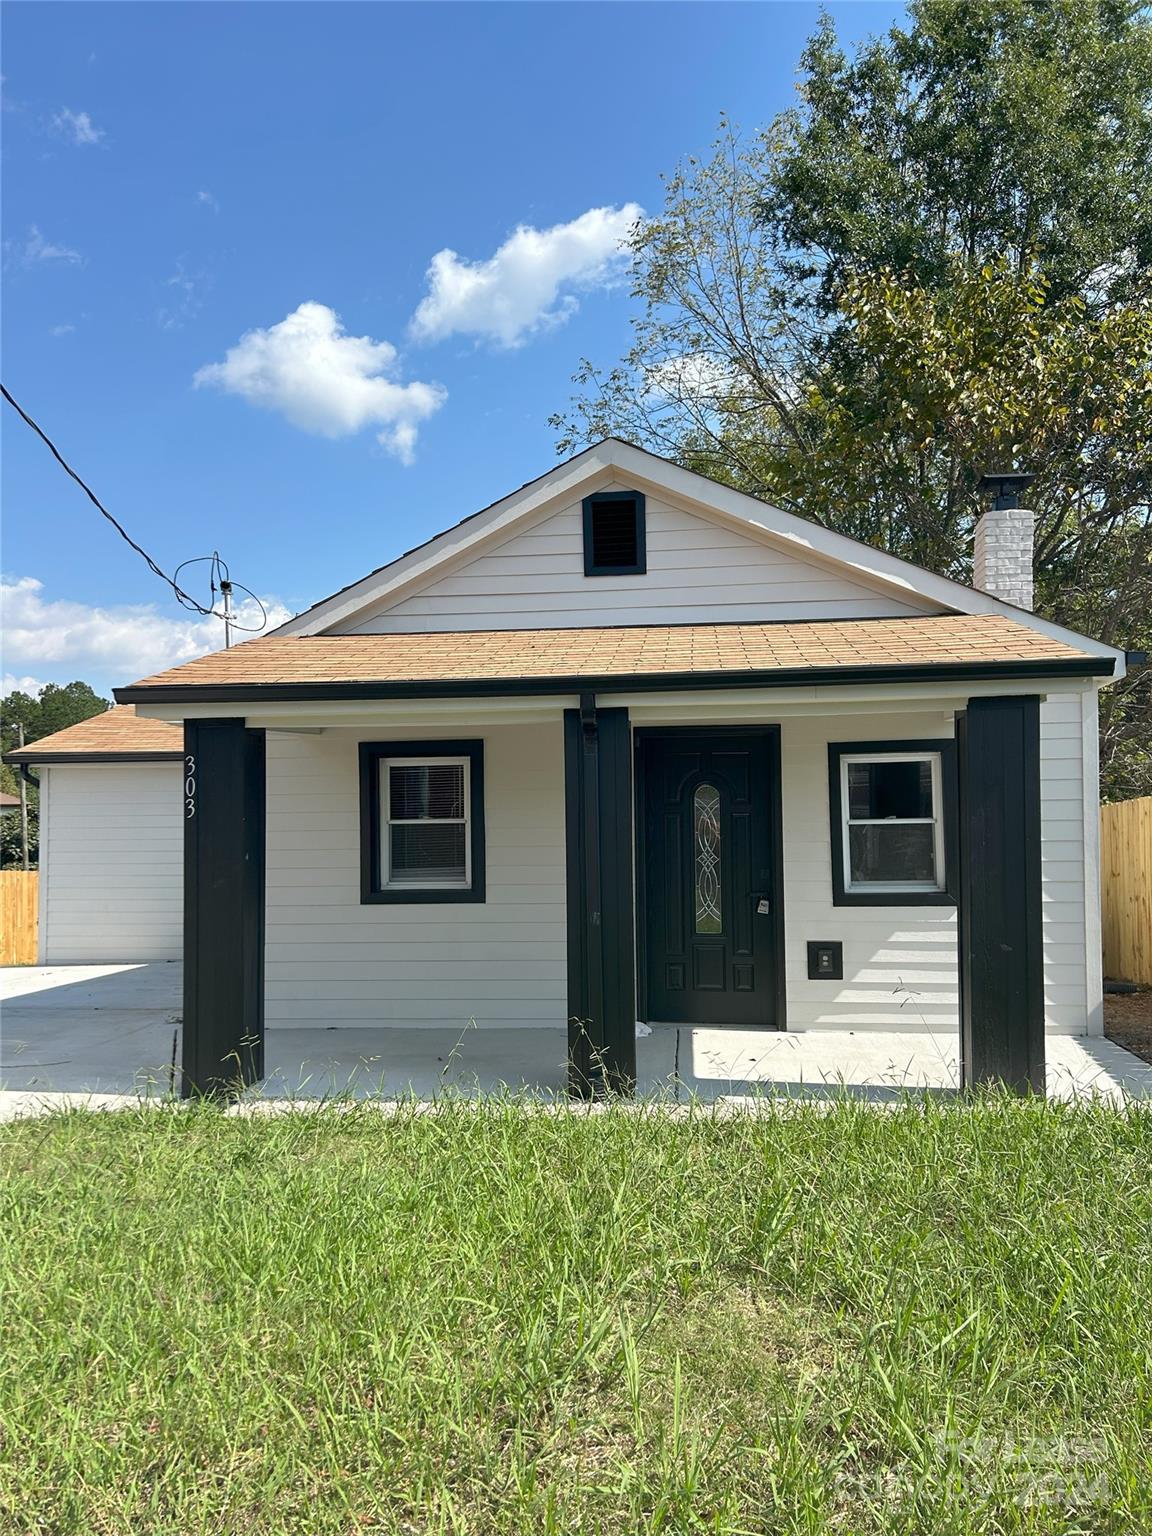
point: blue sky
(179, 176)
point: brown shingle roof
(551, 656)
(119, 733)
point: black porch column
(601, 949)
(223, 906)
(1001, 955)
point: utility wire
(184, 598)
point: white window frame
(936, 821)
(387, 822)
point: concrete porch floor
(104, 1034)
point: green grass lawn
(934, 1319)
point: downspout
(27, 777)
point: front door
(707, 868)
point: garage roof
(118, 735)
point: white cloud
(326, 382)
(61, 330)
(77, 126)
(183, 296)
(526, 286)
(208, 200)
(38, 251)
(13, 684)
(106, 646)
(693, 376)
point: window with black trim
(614, 534)
(892, 822)
(422, 821)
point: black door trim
(640, 735)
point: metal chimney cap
(1005, 487)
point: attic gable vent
(614, 534)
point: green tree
(11, 848)
(1013, 130)
(927, 389)
(57, 706)
(938, 264)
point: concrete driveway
(89, 1028)
(109, 1034)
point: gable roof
(118, 735)
(640, 656)
(614, 459)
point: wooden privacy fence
(1126, 888)
(19, 910)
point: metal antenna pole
(226, 594)
(222, 585)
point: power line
(184, 598)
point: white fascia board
(829, 698)
(493, 522)
(322, 714)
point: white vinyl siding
(900, 963)
(112, 872)
(332, 962)
(699, 571)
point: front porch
(565, 889)
(104, 1035)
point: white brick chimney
(1005, 537)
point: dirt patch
(1128, 1021)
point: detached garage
(111, 840)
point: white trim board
(757, 705)
(42, 864)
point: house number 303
(189, 787)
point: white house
(631, 745)
(111, 844)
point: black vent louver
(614, 534)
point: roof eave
(31, 758)
(623, 682)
